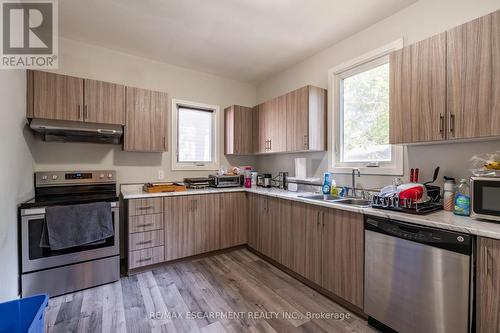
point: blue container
(24, 315)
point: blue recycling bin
(24, 315)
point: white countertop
(441, 219)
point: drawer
(144, 240)
(141, 223)
(145, 206)
(146, 257)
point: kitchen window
(361, 116)
(194, 136)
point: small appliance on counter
(265, 180)
(485, 198)
(197, 183)
(221, 181)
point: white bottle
(449, 194)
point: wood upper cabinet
(488, 285)
(306, 119)
(417, 108)
(146, 120)
(474, 78)
(104, 102)
(54, 96)
(233, 219)
(343, 254)
(238, 133)
(270, 126)
(301, 239)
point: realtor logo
(29, 34)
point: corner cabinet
(488, 285)
(293, 122)
(146, 120)
(238, 131)
(447, 87)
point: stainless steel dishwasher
(417, 278)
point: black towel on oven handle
(77, 225)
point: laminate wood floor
(231, 292)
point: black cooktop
(68, 200)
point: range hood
(73, 131)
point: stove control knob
(54, 177)
(110, 175)
(45, 177)
(101, 176)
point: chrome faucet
(353, 188)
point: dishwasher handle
(444, 239)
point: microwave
(485, 198)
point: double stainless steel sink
(340, 200)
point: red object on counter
(415, 178)
(412, 175)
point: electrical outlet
(161, 175)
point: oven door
(35, 257)
(485, 198)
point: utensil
(412, 175)
(417, 170)
(434, 178)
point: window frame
(191, 166)
(335, 77)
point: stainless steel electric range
(57, 272)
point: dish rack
(411, 206)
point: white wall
(16, 173)
(418, 21)
(94, 62)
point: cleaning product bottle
(326, 183)
(462, 199)
(334, 191)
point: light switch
(161, 174)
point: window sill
(388, 171)
(192, 167)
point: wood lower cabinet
(343, 254)
(104, 102)
(238, 133)
(146, 120)
(54, 96)
(145, 228)
(180, 227)
(301, 239)
(488, 285)
(417, 111)
(324, 245)
(207, 222)
(233, 219)
(264, 226)
(473, 53)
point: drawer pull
(147, 207)
(144, 242)
(144, 225)
(145, 259)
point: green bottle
(462, 199)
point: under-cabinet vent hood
(72, 131)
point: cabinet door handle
(79, 112)
(485, 261)
(86, 112)
(305, 141)
(441, 124)
(144, 225)
(144, 242)
(164, 142)
(270, 144)
(146, 207)
(452, 123)
(145, 259)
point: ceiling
(248, 40)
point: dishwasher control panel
(445, 239)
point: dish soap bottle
(326, 183)
(334, 191)
(462, 199)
